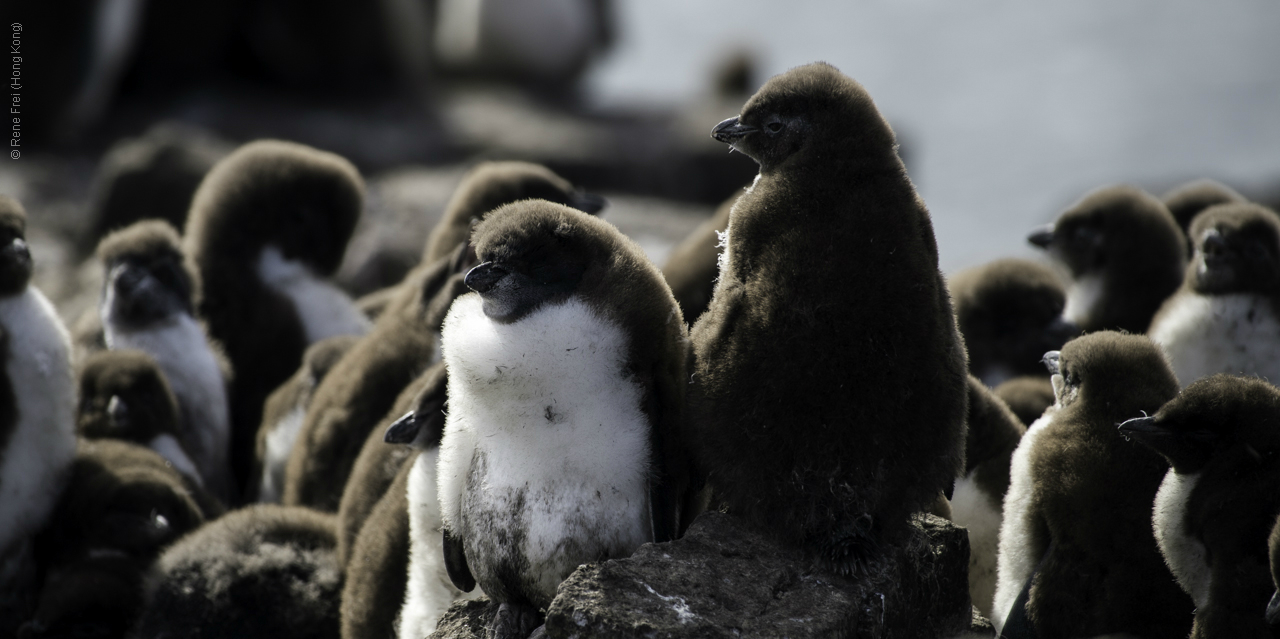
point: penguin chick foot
(850, 549)
(514, 621)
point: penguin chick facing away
(147, 304)
(267, 225)
(1077, 554)
(566, 388)
(827, 414)
(1123, 253)
(1010, 313)
(691, 269)
(1226, 316)
(1217, 504)
(1186, 201)
(1028, 396)
(125, 396)
(37, 406)
(262, 571)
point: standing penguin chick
(148, 304)
(691, 269)
(1217, 503)
(1186, 201)
(827, 414)
(1077, 554)
(1123, 253)
(1226, 316)
(566, 388)
(268, 224)
(37, 406)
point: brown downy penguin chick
(1078, 557)
(373, 592)
(694, 263)
(1226, 316)
(125, 396)
(1186, 201)
(37, 412)
(284, 411)
(1123, 254)
(147, 304)
(977, 502)
(872, 371)
(566, 397)
(1010, 313)
(268, 224)
(264, 571)
(1217, 504)
(1027, 396)
(123, 505)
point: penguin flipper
(1018, 625)
(662, 511)
(455, 563)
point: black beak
(588, 202)
(1042, 236)
(731, 131)
(1051, 362)
(1143, 428)
(484, 276)
(1273, 610)
(403, 430)
(118, 411)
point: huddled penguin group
(236, 447)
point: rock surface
(723, 580)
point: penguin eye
(774, 126)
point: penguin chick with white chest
(566, 381)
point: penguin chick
(825, 414)
(1077, 554)
(977, 502)
(566, 381)
(267, 225)
(1217, 503)
(284, 411)
(147, 304)
(219, 580)
(37, 406)
(125, 396)
(1010, 313)
(1226, 316)
(373, 592)
(1123, 254)
(1028, 396)
(691, 269)
(1186, 201)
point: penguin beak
(483, 277)
(588, 202)
(1273, 610)
(731, 131)
(1051, 361)
(1144, 429)
(1042, 236)
(403, 430)
(16, 251)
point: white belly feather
(323, 309)
(1203, 335)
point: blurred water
(1010, 110)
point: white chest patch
(1185, 554)
(182, 351)
(1083, 296)
(280, 440)
(1203, 335)
(980, 512)
(325, 311)
(545, 457)
(1018, 552)
(38, 454)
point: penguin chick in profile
(1226, 316)
(267, 226)
(148, 304)
(285, 410)
(1217, 504)
(124, 396)
(37, 406)
(1028, 396)
(978, 499)
(1010, 313)
(1077, 554)
(1123, 253)
(827, 414)
(566, 391)
(1186, 201)
(691, 269)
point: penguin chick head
(1228, 421)
(423, 425)
(813, 112)
(148, 279)
(304, 201)
(15, 258)
(1237, 250)
(1115, 227)
(1186, 201)
(124, 395)
(1111, 374)
(490, 185)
